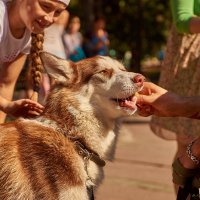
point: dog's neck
(95, 131)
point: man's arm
(154, 100)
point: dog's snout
(139, 80)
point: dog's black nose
(139, 80)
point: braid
(35, 63)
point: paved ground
(142, 168)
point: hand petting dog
(22, 108)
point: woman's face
(74, 25)
(40, 14)
(100, 24)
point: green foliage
(139, 26)
(134, 20)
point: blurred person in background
(53, 40)
(73, 40)
(97, 41)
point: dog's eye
(103, 72)
(106, 72)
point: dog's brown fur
(38, 158)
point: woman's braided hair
(36, 63)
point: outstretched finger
(149, 86)
(28, 102)
(145, 99)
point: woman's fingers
(28, 102)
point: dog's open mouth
(128, 102)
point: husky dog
(60, 155)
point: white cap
(66, 2)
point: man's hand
(155, 100)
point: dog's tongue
(130, 104)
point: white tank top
(11, 47)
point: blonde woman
(18, 19)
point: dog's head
(100, 84)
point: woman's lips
(42, 24)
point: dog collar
(88, 154)
(80, 148)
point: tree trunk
(137, 44)
(88, 10)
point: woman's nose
(139, 79)
(49, 18)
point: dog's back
(38, 163)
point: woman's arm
(184, 17)
(20, 108)
(8, 76)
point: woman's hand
(22, 108)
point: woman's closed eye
(46, 7)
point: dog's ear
(56, 68)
